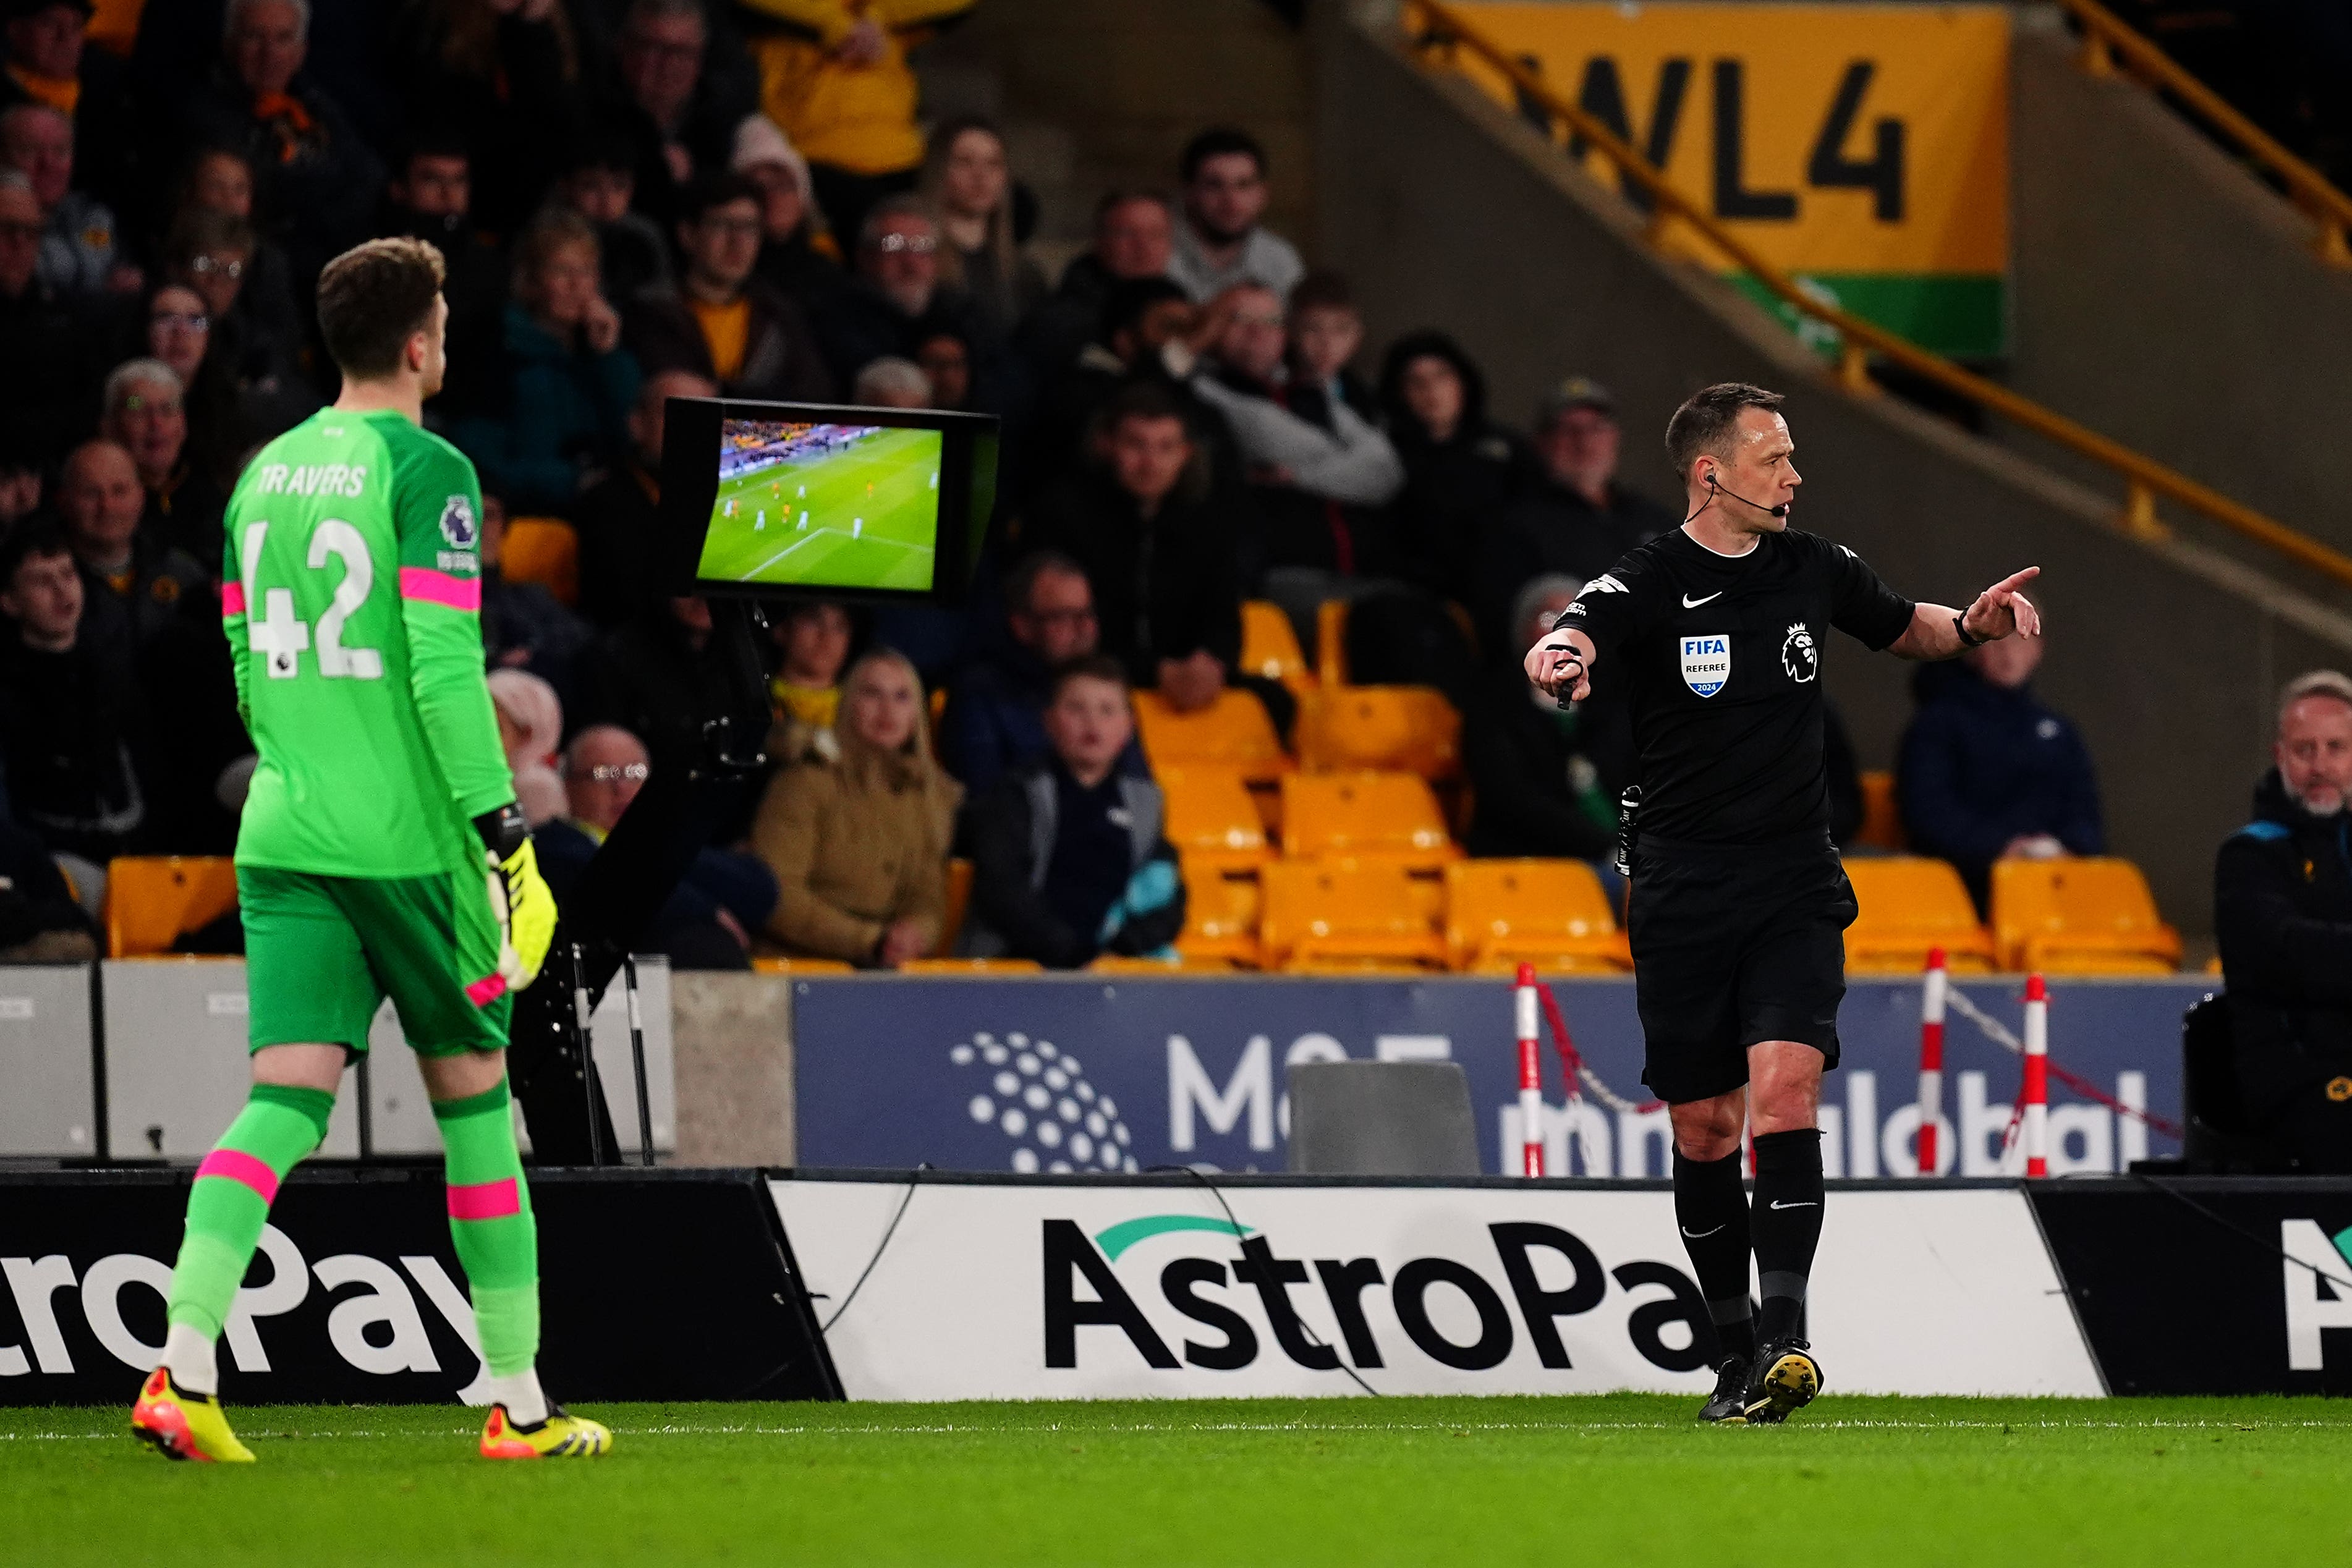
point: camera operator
(2283, 912)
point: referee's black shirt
(1718, 659)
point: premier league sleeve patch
(457, 525)
(1706, 662)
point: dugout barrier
(144, 1059)
(807, 1284)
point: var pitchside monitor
(794, 500)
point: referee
(1739, 902)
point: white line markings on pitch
(678, 1431)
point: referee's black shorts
(1734, 945)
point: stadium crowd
(646, 199)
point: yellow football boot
(183, 1425)
(559, 1437)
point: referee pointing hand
(1738, 901)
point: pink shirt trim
(232, 599)
(440, 588)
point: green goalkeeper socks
(489, 1219)
(231, 1200)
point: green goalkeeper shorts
(321, 952)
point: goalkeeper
(381, 850)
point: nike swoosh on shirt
(1696, 1235)
(1690, 603)
(1807, 1205)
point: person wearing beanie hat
(798, 254)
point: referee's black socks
(1787, 1225)
(1711, 1207)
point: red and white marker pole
(1522, 996)
(1933, 997)
(2037, 1077)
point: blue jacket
(564, 410)
(995, 721)
(1982, 766)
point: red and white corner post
(1523, 999)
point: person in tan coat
(857, 827)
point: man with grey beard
(2283, 912)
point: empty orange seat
(1393, 815)
(1223, 896)
(971, 967)
(1232, 732)
(1331, 642)
(2089, 916)
(1552, 914)
(776, 964)
(151, 899)
(1882, 815)
(1270, 648)
(1909, 906)
(1411, 728)
(1344, 914)
(1179, 965)
(1210, 811)
(542, 550)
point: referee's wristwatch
(1961, 625)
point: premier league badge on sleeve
(457, 523)
(1707, 664)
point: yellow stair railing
(1444, 30)
(2111, 43)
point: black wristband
(503, 831)
(1961, 625)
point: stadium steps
(2166, 296)
(1422, 183)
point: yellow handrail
(2106, 36)
(2144, 478)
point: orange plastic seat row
(1911, 905)
(1270, 648)
(544, 550)
(2089, 916)
(1411, 728)
(1882, 815)
(1348, 913)
(1389, 815)
(152, 900)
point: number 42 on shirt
(282, 636)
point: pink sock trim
(486, 989)
(236, 1165)
(485, 1199)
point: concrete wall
(2167, 298)
(732, 1040)
(1444, 210)
(1097, 93)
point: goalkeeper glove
(519, 894)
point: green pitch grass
(859, 519)
(1608, 1480)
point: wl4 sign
(1862, 150)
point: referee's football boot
(179, 1425)
(1785, 1379)
(1729, 1401)
(562, 1436)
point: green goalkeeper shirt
(352, 605)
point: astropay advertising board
(1025, 1287)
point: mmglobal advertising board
(1090, 1073)
(1164, 1287)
